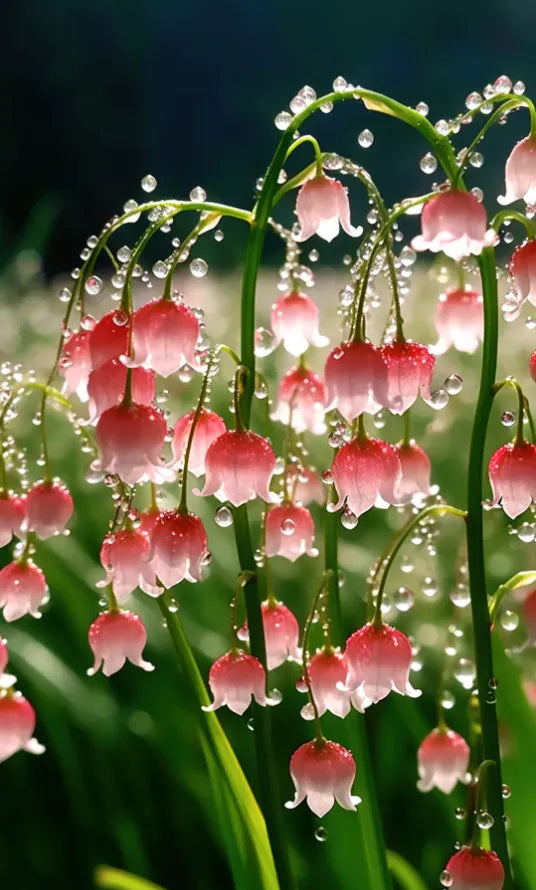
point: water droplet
(288, 527)
(465, 673)
(446, 879)
(120, 318)
(473, 100)
(276, 696)
(508, 418)
(251, 724)
(326, 107)
(407, 256)
(453, 384)
(429, 587)
(509, 620)
(198, 195)
(476, 159)
(365, 138)
(443, 127)
(185, 373)
(124, 253)
(307, 712)
(484, 820)
(406, 565)
(264, 342)
(506, 791)
(339, 84)
(346, 296)
(428, 163)
(348, 519)
(403, 598)
(160, 269)
(314, 256)
(93, 285)
(526, 532)
(223, 517)
(297, 104)
(283, 120)
(519, 88)
(422, 108)
(460, 813)
(199, 267)
(321, 834)
(219, 235)
(461, 595)
(439, 399)
(128, 207)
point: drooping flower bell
(115, 637)
(520, 173)
(234, 679)
(11, 516)
(131, 438)
(17, 724)
(459, 321)
(180, 547)
(472, 868)
(126, 557)
(356, 379)
(48, 506)
(512, 474)
(75, 364)
(323, 772)
(322, 204)
(165, 335)
(239, 467)
(305, 486)
(379, 660)
(23, 589)
(290, 532)
(415, 472)
(443, 759)
(366, 473)
(302, 397)
(294, 321)
(454, 222)
(281, 633)
(523, 270)
(210, 426)
(106, 386)
(327, 671)
(109, 337)
(410, 367)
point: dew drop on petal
(446, 879)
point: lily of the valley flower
(520, 173)
(410, 367)
(512, 474)
(239, 467)
(209, 427)
(165, 335)
(126, 557)
(459, 321)
(356, 379)
(281, 633)
(131, 438)
(322, 204)
(180, 547)
(11, 516)
(454, 222)
(115, 637)
(443, 759)
(472, 868)
(366, 472)
(48, 506)
(415, 469)
(289, 532)
(301, 401)
(17, 724)
(23, 589)
(294, 322)
(234, 679)
(323, 772)
(523, 271)
(379, 661)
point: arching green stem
(511, 381)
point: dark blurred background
(97, 94)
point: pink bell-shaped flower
(410, 367)
(454, 222)
(520, 173)
(356, 379)
(180, 548)
(472, 868)
(290, 532)
(523, 271)
(379, 660)
(12, 515)
(165, 335)
(23, 589)
(75, 364)
(459, 321)
(131, 438)
(512, 474)
(209, 427)
(305, 486)
(239, 467)
(323, 772)
(234, 679)
(109, 337)
(17, 723)
(302, 397)
(295, 320)
(281, 633)
(443, 759)
(415, 472)
(322, 204)
(327, 672)
(106, 386)
(49, 506)
(126, 557)
(114, 637)
(366, 473)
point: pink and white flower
(17, 724)
(234, 679)
(106, 386)
(415, 472)
(180, 548)
(356, 379)
(131, 438)
(366, 473)
(305, 486)
(239, 467)
(322, 204)
(459, 321)
(294, 321)
(443, 760)
(323, 772)
(4, 655)
(165, 335)
(23, 589)
(454, 222)
(12, 515)
(302, 397)
(520, 173)
(126, 557)
(327, 672)
(48, 506)
(290, 532)
(109, 337)
(523, 271)
(410, 367)
(512, 474)
(281, 633)
(115, 637)
(209, 427)
(475, 869)
(379, 660)
(75, 364)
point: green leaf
(114, 879)
(404, 873)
